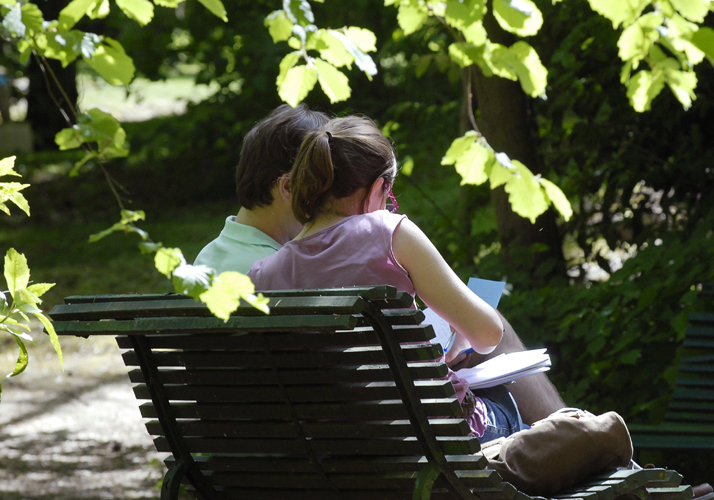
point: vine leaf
(226, 291)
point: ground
(75, 434)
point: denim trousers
(502, 416)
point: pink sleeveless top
(355, 251)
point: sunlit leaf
(704, 41)
(12, 21)
(643, 88)
(458, 148)
(407, 166)
(112, 63)
(465, 54)
(192, 280)
(95, 126)
(475, 33)
(22, 359)
(474, 166)
(226, 291)
(362, 38)
(334, 83)
(694, 10)
(619, 11)
(50, 329)
(288, 62)
(168, 259)
(333, 50)
(75, 10)
(298, 82)
(168, 3)
(521, 17)
(279, 26)
(637, 39)
(10, 191)
(216, 8)
(502, 170)
(461, 14)
(32, 16)
(39, 289)
(525, 195)
(362, 60)
(558, 198)
(141, 11)
(17, 273)
(411, 18)
(101, 9)
(682, 84)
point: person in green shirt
(265, 222)
(265, 219)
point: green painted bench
(317, 401)
(689, 421)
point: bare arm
(443, 291)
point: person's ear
(284, 187)
(376, 197)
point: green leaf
(459, 147)
(643, 88)
(168, 259)
(333, 50)
(475, 33)
(462, 14)
(172, 4)
(362, 60)
(558, 198)
(22, 359)
(10, 191)
(226, 291)
(465, 54)
(101, 9)
(17, 273)
(298, 82)
(334, 83)
(50, 329)
(12, 21)
(112, 63)
(475, 165)
(32, 17)
(141, 11)
(694, 10)
(39, 289)
(124, 224)
(65, 46)
(520, 17)
(704, 41)
(95, 126)
(407, 166)
(216, 8)
(75, 10)
(682, 84)
(619, 11)
(531, 72)
(7, 166)
(78, 165)
(362, 38)
(637, 39)
(411, 18)
(502, 170)
(192, 280)
(525, 194)
(279, 26)
(299, 12)
(288, 62)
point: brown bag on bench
(560, 450)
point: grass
(59, 252)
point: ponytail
(312, 176)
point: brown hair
(342, 157)
(269, 151)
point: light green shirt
(236, 248)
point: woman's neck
(322, 221)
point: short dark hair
(269, 151)
(335, 161)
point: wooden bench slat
(388, 446)
(207, 339)
(348, 374)
(368, 465)
(297, 394)
(251, 360)
(322, 430)
(384, 410)
(189, 307)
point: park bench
(689, 420)
(317, 401)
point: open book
(506, 368)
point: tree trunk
(504, 119)
(42, 111)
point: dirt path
(77, 434)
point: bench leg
(424, 482)
(172, 481)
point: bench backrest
(335, 394)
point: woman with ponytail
(340, 184)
